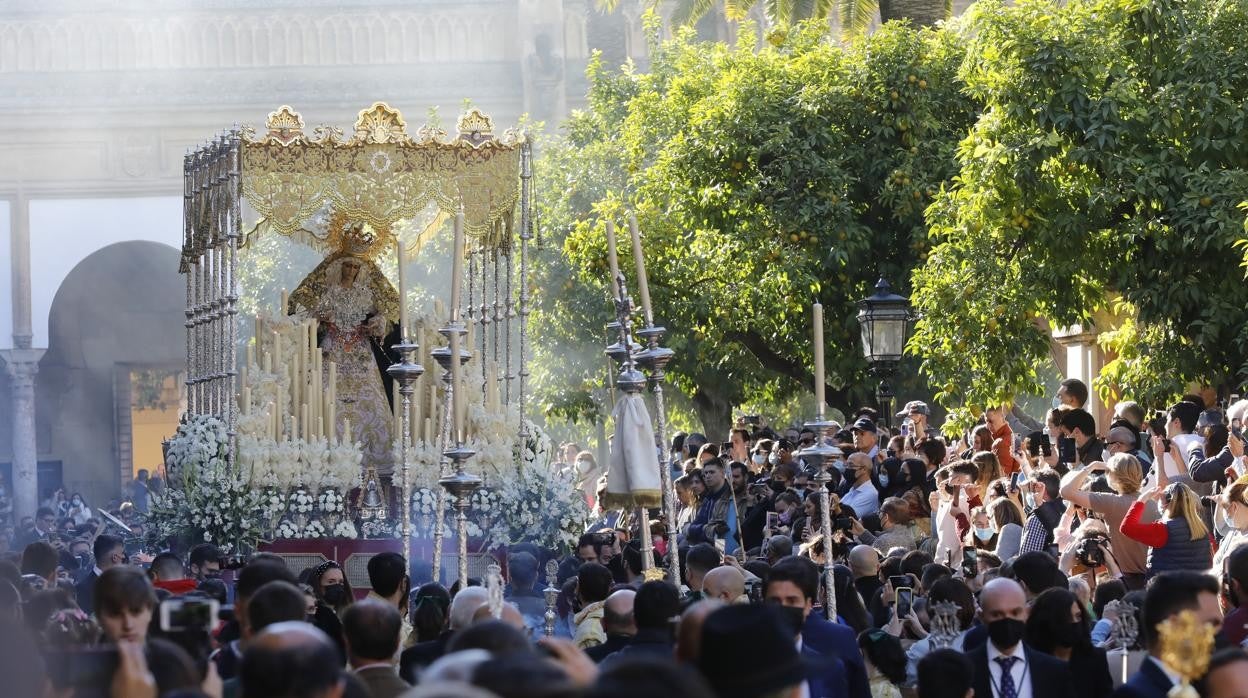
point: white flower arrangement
(301, 502)
(314, 529)
(287, 529)
(207, 499)
(330, 502)
(345, 529)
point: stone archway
(120, 309)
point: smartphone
(773, 520)
(970, 561)
(1066, 450)
(179, 613)
(1014, 481)
(905, 601)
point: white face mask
(1029, 499)
(758, 459)
(773, 458)
(1105, 454)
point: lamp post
(884, 319)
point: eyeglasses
(1114, 443)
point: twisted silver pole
(443, 356)
(655, 359)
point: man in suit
(371, 629)
(1168, 595)
(747, 650)
(794, 583)
(1006, 667)
(109, 551)
(45, 524)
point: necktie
(1008, 689)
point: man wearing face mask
(204, 562)
(1006, 667)
(793, 584)
(858, 492)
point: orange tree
(763, 179)
(1103, 174)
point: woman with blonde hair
(1231, 520)
(989, 470)
(1123, 474)
(1180, 540)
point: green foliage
(1104, 174)
(762, 181)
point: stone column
(21, 365)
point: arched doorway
(108, 387)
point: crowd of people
(1050, 563)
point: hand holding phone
(905, 602)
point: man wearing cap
(918, 413)
(750, 650)
(865, 438)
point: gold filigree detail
(381, 176)
(475, 126)
(284, 125)
(654, 574)
(1186, 642)
(380, 124)
(357, 238)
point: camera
(183, 613)
(751, 419)
(1091, 551)
(754, 590)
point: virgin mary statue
(357, 310)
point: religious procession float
(342, 418)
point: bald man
(618, 623)
(726, 584)
(1006, 667)
(864, 562)
(689, 633)
(511, 615)
(291, 659)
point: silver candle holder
(654, 359)
(443, 356)
(551, 592)
(632, 382)
(405, 373)
(823, 453)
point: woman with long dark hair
(1059, 625)
(849, 603)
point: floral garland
(207, 500)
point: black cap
(863, 424)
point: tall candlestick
(457, 391)
(613, 260)
(643, 284)
(457, 268)
(819, 397)
(398, 253)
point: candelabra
(551, 592)
(632, 382)
(443, 356)
(823, 453)
(654, 359)
(405, 373)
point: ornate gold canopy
(381, 174)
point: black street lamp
(885, 322)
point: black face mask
(1006, 632)
(794, 618)
(776, 486)
(335, 594)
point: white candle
(398, 253)
(284, 310)
(457, 266)
(307, 423)
(819, 397)
(613, 261)
(246, 400)
(268, 362)
(294, 429)
(457, 388)
(643, 284)
(428, 430)
(251, 353)
(277, 347)
(346, 429)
